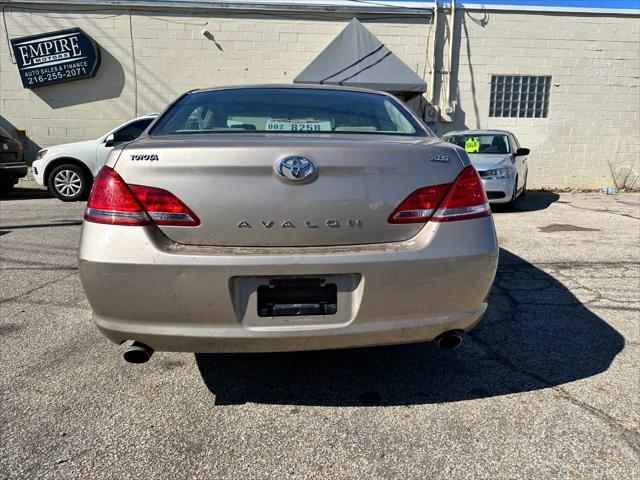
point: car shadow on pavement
(535, 200)
(18, 193)
(536, 334)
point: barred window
(520, 96)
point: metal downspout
(434, 52)
(451, 93)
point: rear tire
(69, 183)
(5, 188)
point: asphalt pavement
(546, 387)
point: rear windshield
(481, 144)
(287, 110)
(4, 133)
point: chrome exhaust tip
(137, 353)
(450, 340)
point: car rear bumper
(141, 286)
(13, 170)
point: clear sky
(627, 4)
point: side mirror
(110, 140)
(521, 152)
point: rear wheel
(5, 187)
(69, 183)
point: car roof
(477, 132)
(142, 117)
(303, 86)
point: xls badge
(440, 158)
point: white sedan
(68, 170)
(500, 160)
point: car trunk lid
(231, 182)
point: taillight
(164, 207)
(420, 205)
(466, 199)
(111, 201)
(114, 202)
(462, 200)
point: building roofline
(404, 8)
(396, 7)
(474, 6)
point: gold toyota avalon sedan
(280, 218)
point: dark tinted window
(132, 131)
(287, 110)
(4, 133)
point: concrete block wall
(589, 140)
(172, 56)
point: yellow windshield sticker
(472, 145)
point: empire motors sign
(55, 57)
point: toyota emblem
(296, 168)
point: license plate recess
(289, 297)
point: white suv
(68, 170)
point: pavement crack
(601, 210)
(64, 223)
(629, 436)
(505, 289)
(15, 263)
(41, 269)
(51, 282)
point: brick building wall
(593, 122)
